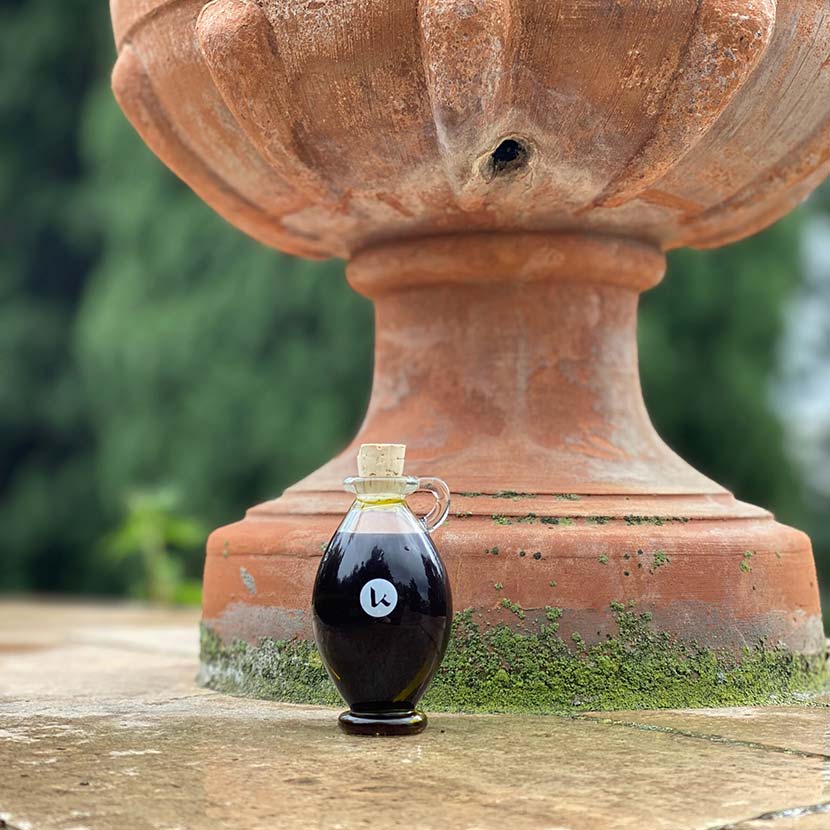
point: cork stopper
(381, 460)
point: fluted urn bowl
(504, 177)
(323, 128)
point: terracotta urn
(504, 178)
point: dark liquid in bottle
(382, 612)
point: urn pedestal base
(710, 570)
(588, 561)
(565, 601)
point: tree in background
(50, 56)
(145, 343)
(146, 346)
(802, 387)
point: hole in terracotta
(512, 154)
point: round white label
(378, 597)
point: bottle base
(393, 723)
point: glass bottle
(382, 607)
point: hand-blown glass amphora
(382, 608)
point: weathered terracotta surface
(505, 280)
(323, 128)
(511, 376)
(700, 593)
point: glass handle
(440, 510)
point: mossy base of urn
(536, 668)
(573, 603)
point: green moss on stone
(659, 559)
(653, 520)
(513, 607)
(291, 671)
(500, 669)
(556, 520)
(577, 639)
(528, 519)
(643, 520)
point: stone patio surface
(103, 726)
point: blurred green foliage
(149, 542)
(159, 372)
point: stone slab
(797, 729)
(267, 765)
(102, 727)
(810, 818)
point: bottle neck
(382, 514)
(375, 490)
